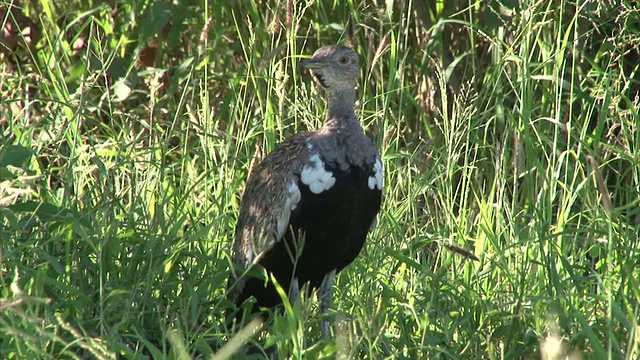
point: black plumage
(308, 206)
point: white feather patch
(374, 223)
(249, 260)
(375, 181)
(293, 197)
(291, 202)
(315, 176)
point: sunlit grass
(128, 132)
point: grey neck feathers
(340, 113)
(342, 141)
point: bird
(310, 204)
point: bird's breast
(335, 214)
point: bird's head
(334, 67)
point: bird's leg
(294, 292)
(325, 300)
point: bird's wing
(271, 195)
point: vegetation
(507, 128)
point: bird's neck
(340, 108)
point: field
(509, 131)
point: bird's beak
(310, 64)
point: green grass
(128, 130)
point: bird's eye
(344, 60)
